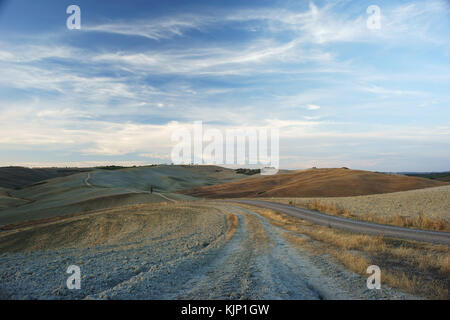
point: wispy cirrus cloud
(336, 22)
(237, 60)
(156, 28)
(314, 71)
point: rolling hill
(100, 189)
(18, 177)
(164, 178)
(442, 176)
(315, 183)
(8, 201)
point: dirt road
(164, 197)
(86, 181)
(353, 225)
(174, 252)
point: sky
(340, 93)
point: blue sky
(340, 94)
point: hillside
(164, 178)
(105, 188)
(315, 183)
(7, 201)
(18, 177)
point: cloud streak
(316, 73)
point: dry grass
(233, 223)
(352, 261)
(85, 211)
(418, 268)
(324, 182)
(328, 208)
(258, 234)
(295, 239)
(122, 226)
(419, 221)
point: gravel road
(194, 257)
(353, 225)
(432, 203)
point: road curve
(352, 225)
(86, 181)
(164, 197)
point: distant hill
(18, 177)
(315, 183)
(165, 178)
(7, 201)
(101, 188)
(441, 176)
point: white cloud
(329, 23)
(154, 155)
(26, 53)
(248, 59)
(155, 29)
(312, 107)
(73, 95)
(333, 23)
